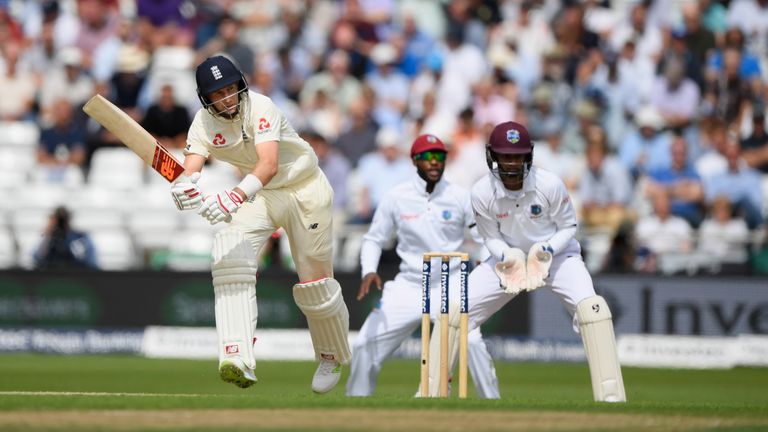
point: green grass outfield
(88, 393)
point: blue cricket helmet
(216, 73)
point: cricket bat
(134, 137)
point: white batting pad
(322, 303)
(511, 271)
(234, 284)
(454, 313)
(596, 329)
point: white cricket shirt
(422, 222)
(235, 141)
(540, 212)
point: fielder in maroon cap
(429, 154)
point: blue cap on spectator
(678, 33)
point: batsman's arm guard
(322, 303)
(596, 329)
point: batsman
(527, 222)
(282, 186)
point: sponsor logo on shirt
(446, 215)
(407, 217)
(263, 126)
(219, 140)
(502, 215)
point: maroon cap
(427, 142)
(510, 138)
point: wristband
(250, 185)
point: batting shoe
(327, 375)
(234, 371)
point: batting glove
(185, 192)
(219, 208)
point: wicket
(425, 321)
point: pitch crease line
(54, 393)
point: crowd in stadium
(652, 112)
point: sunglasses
(431, 155)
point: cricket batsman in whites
(527, 221)
(282, 186)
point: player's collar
(421, 185)
(528, 184)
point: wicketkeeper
(282, 186)
(528, 223)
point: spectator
(676, 96)
(740, 184)
(749, 67)
(334, 80)
(490, 107)
(227, 42)
(68, 79)
(566, 165)
(464, 165)
(755, 147)
(360, 136)
(98, 22)
(62, 145)
(605, 188)
(389, 86)
(647, 38)
(417, 46)
(699, 39)
(62, 247)
(714, 140)
(334, 165)
(166, 120)
(662, 236)
(17, 88)
(380, 171)
(723, 237)
(586, 115)
(726, 93)
(681, 182)
(646, 148)
(542, 116)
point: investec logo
(444, 291)
(425, 274)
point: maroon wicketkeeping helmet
(509, 138)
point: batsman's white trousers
(305, 212)
(568, 279)
(394, 320)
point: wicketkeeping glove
(219, 208)
(537, 267)
(185, 192)
(511, 271)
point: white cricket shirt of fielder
(422, 221)
(540, 212)
(235, 141)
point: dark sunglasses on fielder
(431, 155)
